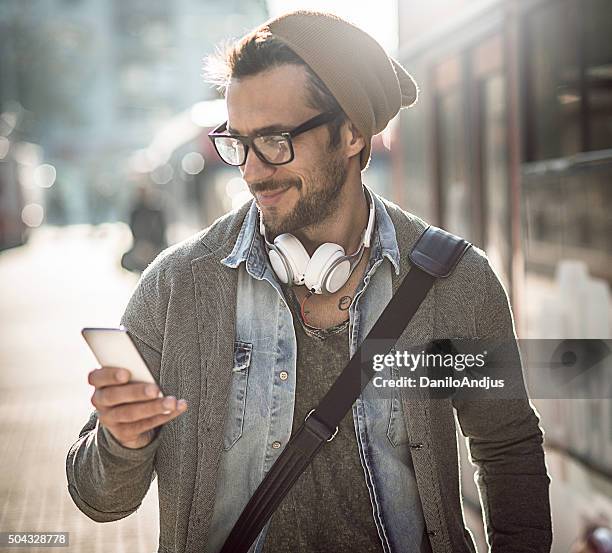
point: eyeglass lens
(274, 149)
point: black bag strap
(434, 255)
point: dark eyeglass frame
(247, 141)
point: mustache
(272, 186)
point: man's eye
(272, 139)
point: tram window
(598, 72)
(454, 202)
(497, 196)
(419, 189)
(553, 98)
(456, 211)
(569, 67)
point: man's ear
(353, 139)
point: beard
(317, 204)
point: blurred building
(510, 145)
(101, 78)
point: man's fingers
(130, 431)
(109, 396)
(107, 376)
(133, 412)
(130, 410)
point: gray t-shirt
(328, 508)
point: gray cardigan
(182, 316)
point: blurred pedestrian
(148, 226)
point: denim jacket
(261, 404)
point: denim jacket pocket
(237, 397)
(396, 431)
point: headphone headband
(370, 228)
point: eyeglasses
(274, 148)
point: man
(223, 321)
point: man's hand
(131, 411)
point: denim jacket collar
(251, 249)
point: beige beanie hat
(369, 85)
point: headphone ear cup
(280, 266)
(323, 259)
(337, 276)
(293, 254)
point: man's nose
(254, 169)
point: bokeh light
(32, 215)
(163, 174)
(45, 175)
(193, 163)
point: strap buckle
(319, 428)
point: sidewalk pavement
(62, 280)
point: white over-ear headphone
(327, 270)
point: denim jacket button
(284, 375)
(276, 445)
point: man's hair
(259, 51)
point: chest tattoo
(344, 303)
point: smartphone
(113, 347)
